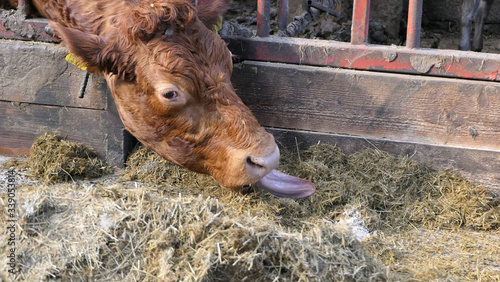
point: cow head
(170, 79)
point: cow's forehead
(205, 65)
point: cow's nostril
(254, 162)
(258, 165)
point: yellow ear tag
(77, 61)
(217, 26)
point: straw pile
(374, 217)
(389, 195)
(78, 231)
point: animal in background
(473, 11)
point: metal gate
(360, 55)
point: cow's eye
(169, 95)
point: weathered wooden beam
(427, 110)
(21, 123)
(39, 93)
(38, 74)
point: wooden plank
(479, 166)
(402, 108)
(39, 93)
(37, 73)
(21, 123)
(394, 59)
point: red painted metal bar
(263, 17)
(282, 14)
(360, 21)
(434, 62)
(414, 23)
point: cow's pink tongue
(283, 185)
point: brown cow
(170, 79)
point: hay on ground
(395, 192)
(374, 217)
(80, 232)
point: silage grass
(394, 196)
(160, 222)
(395, 192)
(54, 159)
(79, 231)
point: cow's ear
(150, 17)
(210, 12)
(86, 46)
(98, 55)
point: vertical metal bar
(414, 23)
(263, 17)
(282, 14)
(360, 21)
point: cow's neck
(92, 16)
